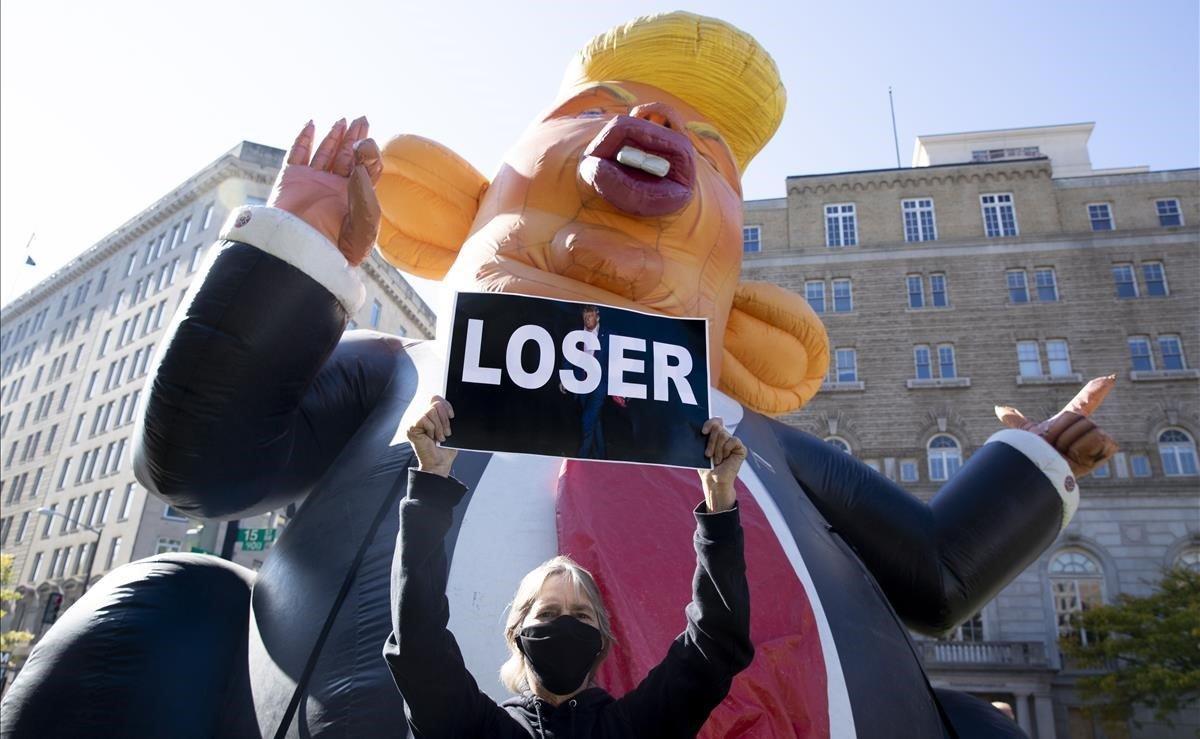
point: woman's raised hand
(333, 189)
(727, 453)
(427, 431)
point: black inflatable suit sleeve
(252, 397)
(938, 563)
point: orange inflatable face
(622, 194)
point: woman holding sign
(558, 629)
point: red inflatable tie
(631, 526)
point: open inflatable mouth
(640, 167)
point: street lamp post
(92, 555)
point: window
(751, 239)
(996, 155)
(1140, 464)
(376, 313)
(921, 359)
(918, 220)
(171, 514)
(1189, 559)
(186, 229)
(847, 365)
(1046, 284)
(1155, 278)
(1177, 451)
(814, 293)
(838, 442)
(999, 216)
(255, 200)
(970, 630)
(1172, 352)
(1058, 357)
(1125, 283)
(937, 290)
(114, 551)
(1018, 286)
(1029, 360)
(841, 226)
(1102, 472)
(945, 457)
(1100, 214)
(843, 299)
(23, 526)
(195, 260)
(49, 520)
(908, 470)
(36, 569)
(946, 361)
(208, 214)
(916, 291)
(80, 557)
(62, 475)
(1139, 354)
(162, 546)
(1076, 586)
(127, 501)
(1168, 212)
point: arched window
(839, 442)
(1076, 584)
(1178, 453)
(1189, 559)
(945, 457)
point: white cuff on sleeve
(287, 237)
(1052, 464)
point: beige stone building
(1002, 268)
(74, 353)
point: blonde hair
(512, 672)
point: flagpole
(29, 257)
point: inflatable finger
(776, 349)
(1089, 398)
(429, 196)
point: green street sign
(200, 550)
(253, 546)
(252, 536)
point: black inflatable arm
(938, 563)
(252, 396)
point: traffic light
(53, 603)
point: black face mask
(561, 652)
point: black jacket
(674, 700)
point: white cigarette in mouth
(638, 159)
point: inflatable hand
(430, 196)
(776, 349)
(1084, 444)
(334, 191)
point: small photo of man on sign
(578, 380)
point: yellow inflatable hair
(715, 67)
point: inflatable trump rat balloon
(626, 192)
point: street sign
(200, 550)
(255, 540)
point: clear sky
(105, 107)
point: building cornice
(393, 283)
(1129, 178)
(944, 174)
(819, 255)
(226, 167)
